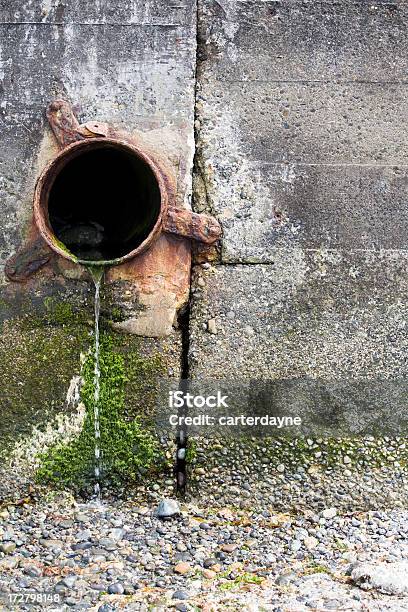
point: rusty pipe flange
(149, 202)
(48, 176)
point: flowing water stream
(97, 275)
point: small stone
(212, 326)
(209, 562)
(51, 543)
(296, 545)
(181, 454)
(229, 548)
(107, 543)
(388, 578)
(329, 513)
(209, 574)
(69, 581)
(80, 517)
(281, 468)
(116, 588)
(116, 534)
(182, 568)
(81, 546)
(180, 595)
(7, 547)
(97, 586)
(33, 571)
(105, 608)
(83, 535)
(285, 578)
(167, 508)
(9, 563)
(310, 542)
(346, 459)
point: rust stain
(163, 268)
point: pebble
(225, 538)
(33, 570)
(228, 548)
(310, 542)
(180, 595)
(7, 547)
(209, 574)
(212, 326)
(116, 588)
(167, 508)
(69, 581)
(329, 513)
(296, 545)
(182, 568)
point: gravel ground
(121, 556)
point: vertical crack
(184, 316)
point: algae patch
(129, 447)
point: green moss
(61, 313)
(128, 446)
(64, 248)
(37, 364)
(315, 568)
(191, 454)
(116, 315)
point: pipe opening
(103, 202)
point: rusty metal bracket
(28, 260)
(66, 127)
(183, 222)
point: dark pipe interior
(103, 203)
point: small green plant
(341, 545)
(315, 568)
(191, 454)
(127, 446)
(244, 578)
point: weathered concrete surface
(131, 64)
(302, 112)
(322, 314)
(289, 40)
(301, 128)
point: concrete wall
(302, 112)
(299, 111)
(131, 64)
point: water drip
(97, 276)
